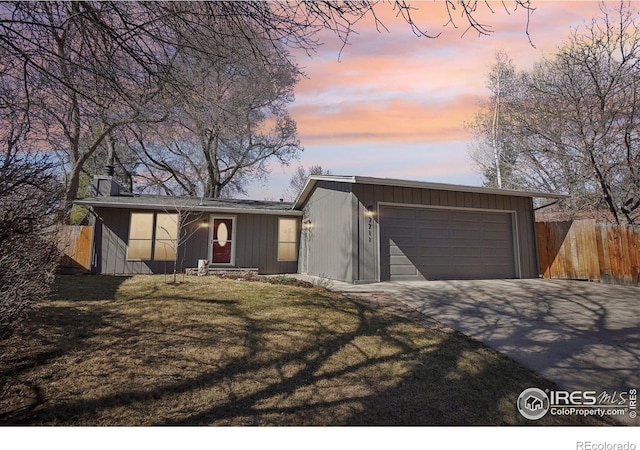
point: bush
(27, 268)
(29, 197)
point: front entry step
(223, 271)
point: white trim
(234, 221)
(514, 228)
(296, 234)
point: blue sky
(395, 105)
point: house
(533, 403)
(348, 228)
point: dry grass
(136, 351)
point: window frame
(154, 240)
(150, 240)
(294, 242)
(160, 240)
(232, 238)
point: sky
(394, 105)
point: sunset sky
(395, 105)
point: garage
(366, 230)
(441, 243)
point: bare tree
(299, 179)
(83, 76)
(29, 197)
(174, 229)
(227, 120)
(494, 153)
(579, 122)
(90, 68)
(573, 124)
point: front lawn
(138, 351)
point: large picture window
(157, 232)
(140, 236)
(287, 239)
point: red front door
(222, 235)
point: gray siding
(327, 247)
(256, 244)
(368, 195)
(110, 245)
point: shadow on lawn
(260, 368)
(68, 329)
(87, 287)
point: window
(166, 242)
(140, 236)
(144, 236)
(287, 239)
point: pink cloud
(396, 87)
(395, 120)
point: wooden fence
(584, 249)
(75, 244)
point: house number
(370, 222)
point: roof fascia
(456, 187)
(313, 179)
(196, 208)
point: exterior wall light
(370, 211)
(307, 225)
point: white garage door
(432, 244)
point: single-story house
(348, 228)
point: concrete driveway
(581, 335)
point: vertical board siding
(584, 249)
(256, 244)
(373, 194)
(328, 243)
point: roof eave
(456, 187)
(195, 208)
(313, 179)
(311, 182)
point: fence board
(544, 250)
(75, 244)
(633, 242)
(585, 234)
(583, 249)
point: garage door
(432, 244)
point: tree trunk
(71, 193)
(494, 134)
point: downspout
(93, 261)
(547, 205)
(535, 234)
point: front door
(222, 240)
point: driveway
(581, 335)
